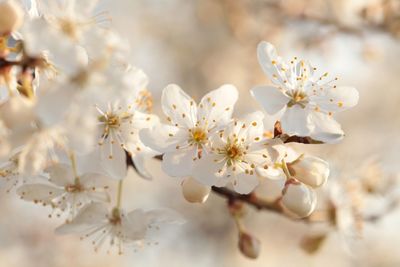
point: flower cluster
(74, 115)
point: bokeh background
(202, 44)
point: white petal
(113, 160)
(94, 180)
(178, 106)
(252, 126)
(164, 216)
(295, 121)
(60, 174)
(245, 183)
(205, 170)
(273, 173)
(162, 137)
(39, 192)
(271, 98)
(336, 99)
(326, 129)
(139, 159)
(179, 163)
(216, 107)
(270, 62)
(92, 214)
(135, 225)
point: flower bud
(299, 199)
(249, 245)
(194, 192)
(11, 17)
(16, 112)
(310, 170)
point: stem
(286, 170)
(238, 223)
(73, 164)
(119, 194)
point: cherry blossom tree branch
(250, 199)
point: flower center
(234, 152)
(115, 218)
(298, 98)
(110, 120)
(68, 27)
(73, 188)
(199, 136)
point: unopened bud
(249, 245)
(195, 192)
(16, 112)
(310, 170)
(299, 199)
(11, 17)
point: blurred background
(202, 44)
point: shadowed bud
(311, 244)
(299, 199)
(249, 245)
(194, 192)
(11, 17)
(310, 170)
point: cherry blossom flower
(119, 133)
(116, 227)
(65, 189)
(235, 153)
(185, 140)
(308, 100)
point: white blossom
(235, 153)
(116, 227)
(185, 139)
(65, 189)
(308, 100)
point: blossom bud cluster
(75, 114)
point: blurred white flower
(40, 38)
(9, 174)
(345, 204)
(66, 190)
(308, 100)
(235, 153)
(116, 227)
(72, 18)
(186, 139)
(12, 16)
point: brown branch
(250, 199)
